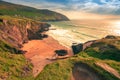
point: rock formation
(18, 31)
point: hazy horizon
(77, 9)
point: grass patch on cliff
(109, 54)
(57, 71)
(103, 51)
(29, 12)
(13, 66)
(62, 69)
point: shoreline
(67, 46)
(63, 36)
(38, 52)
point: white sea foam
(67, 33)
(65, 37)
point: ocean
(80, 31)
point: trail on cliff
(109, 69)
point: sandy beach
(38, 51)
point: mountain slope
(29, 12)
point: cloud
(97, 6)
(84, 15)
(103, 7)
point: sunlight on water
(117, 23)
(80, 31)
(116, 26)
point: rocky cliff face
(18, 31)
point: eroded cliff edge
(18, 31)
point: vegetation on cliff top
(13, 66)
(19, 30)
(29, 12)
(109, 54)
(106, 48)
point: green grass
(62, 69)
(105, 49)
(29, 12)
(57, 71)
(13, 66)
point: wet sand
(39, 51)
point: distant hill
(29, 12)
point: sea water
(80, 31)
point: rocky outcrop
(81, 46)
(77, 48)
(18, 31)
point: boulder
(77, 48)
(61, 52)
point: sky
(77, 9)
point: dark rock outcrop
(1, 20)
(77, 48)
(61, 52)
(81, 46)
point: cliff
(29, 12)
(90, 62)
(97, 60)
(13, 66)
(13, 33)
(17, 31)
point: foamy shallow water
(65, 37)
(68, 32)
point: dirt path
(39, 50)
(109, 69)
